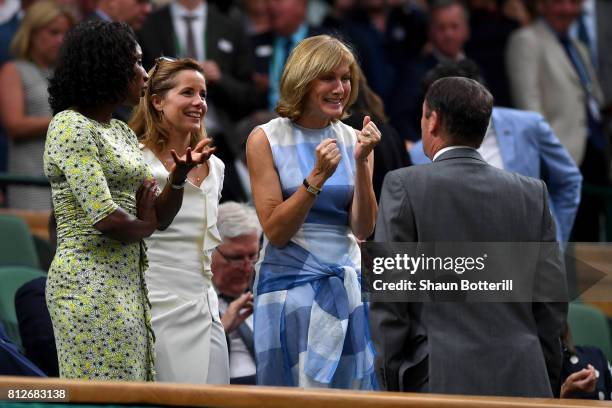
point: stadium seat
(589, 327)
(16, 243)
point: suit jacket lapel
(168, 36)
(211, 34)
(553, 47)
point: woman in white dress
(190, 341)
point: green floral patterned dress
(96, 292)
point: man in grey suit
(510, 349)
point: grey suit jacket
(510, 349)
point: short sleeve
(73, 148)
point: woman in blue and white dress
(311, 177)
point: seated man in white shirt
(232, 267)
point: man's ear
(433, 125)
(157, 102)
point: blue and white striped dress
(310, 325)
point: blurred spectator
(232, 267)
(10, 17)
(384, 37)
(256, 17)
(390, 153)
(271, 49)
(593, 29)
(490, 29)
(317, 10)
(586, 372)
(552, 74)
(24, 106)
(406, 32)
(227, 7)
(132, 12)
(334, 19)
(519, 11)
(194, 28)
(448, 32)
(521, 142)
(9, 22)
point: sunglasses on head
(158, 62)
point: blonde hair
(146, 121)
(311, 59)
(37, 17)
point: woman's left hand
(367, 138)
(191, 158)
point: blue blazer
(529, 146)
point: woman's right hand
(328, 157)
(145, 201)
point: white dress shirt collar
(198, 26)
(448, 148)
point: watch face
(313, 190)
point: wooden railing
(235, 396)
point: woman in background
(190, 341)
(24, 101)
(105, 203)
(311, 177)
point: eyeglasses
(239, 260)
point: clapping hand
(191, 158)
(328, 157)
(367, 138)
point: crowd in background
(242, 48)
(545, 65)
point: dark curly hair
(95, 66)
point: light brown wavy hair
(311, 59)
(37, 17)
(147, 122)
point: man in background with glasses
(232, 267)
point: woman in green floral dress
(105, 203)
